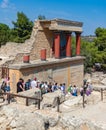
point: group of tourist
(45, 87)
(85, 89)
(73, 90)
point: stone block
(35, 93)
(50, 99)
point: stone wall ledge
(49, 61)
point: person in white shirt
(34, 83)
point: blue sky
(91, 12)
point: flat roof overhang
(64, 28)
(39, 62)
(62, 25)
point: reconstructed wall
(44, 39)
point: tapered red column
(68, 45)
(43, 54)
(78, 43)
(57, 45)
(26, 58)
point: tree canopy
(95, 52)
(4, 33)
(100, 41)
(22, 28)
(41, 17)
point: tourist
(46, 86)
(20, 87)
(70, 89)
(63, 87)
(3, 86)
(54, 87)
(8, 85)
(81, 91)
(84, 81)
(50, 87)
(34, 83)
(38, 84)
(74, 90)
(23, 83)
(88, 88)
(60, 86)
(42, 86)
(7, 88)
(28, 84)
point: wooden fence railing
(9, 95)
(101, 92)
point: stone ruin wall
(43, 40)
(40, 38)
(15, 51)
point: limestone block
(104, 81)
(72, 103)
(35, 92)
(50, 99)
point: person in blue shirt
(63, 87)
(28, 84)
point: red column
(26, 58)
(68, 45)
(57, 45)
(43, 54)
(78, 42)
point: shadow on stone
(46, 125)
